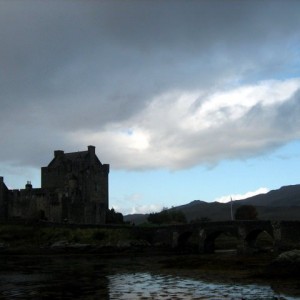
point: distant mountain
(285, 196)
(136, 218)
(200, 209)
(281, 204)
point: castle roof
(75, 157)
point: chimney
(58, 153)
(92, 153)
(28, 186)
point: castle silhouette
(74, 189)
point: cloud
(146, 209)
(131, 204)
(128, 203)
(225, 199)
(182, 129)
(151, 84)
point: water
(147, 286)
(97, 278)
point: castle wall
(36, 204)
(3, 200)
(53, 177)
(25, 204)
(55, 212)
(96, 184)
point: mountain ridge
(289, 193)
(278, 204)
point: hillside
(286, 196)
(281, 204)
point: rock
(123, 244)
(78, 246)
(60, 244)
(139, 243)
(287, 264)
(103, 247)
(292, 256)
(65, 245)
(3, 246)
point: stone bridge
(285, 234)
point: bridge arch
(183, 237)
(252, 236)
(188, 240)
(209, 242)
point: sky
(186, 100)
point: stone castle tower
(74, 189)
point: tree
(177, 216)
(159, 218)
(113, 217)
(167, 217)
(246, 212)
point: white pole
(231, 208)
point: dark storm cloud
(68, 66)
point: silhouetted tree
(246, 212)
(167, 217)
(113, 217)
(177, 216)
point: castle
(74, 189)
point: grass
(21, 236)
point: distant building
(74, 189)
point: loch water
(81, 277)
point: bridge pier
(175, 237)
(245, 246)
(277, 235)
(286, 235)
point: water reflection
(52, 278)
(147, 286)
(93, 278)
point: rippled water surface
(147, 286)
(94, 278)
